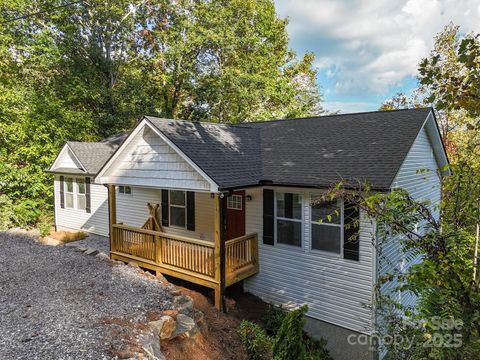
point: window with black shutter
(335, 227)
(178, 209)
(268, 216)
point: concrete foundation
(358, 348)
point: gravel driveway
(58, 303)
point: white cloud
(372, 45)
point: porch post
(112, 212)
(219, 253)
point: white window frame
(124, 187)
(65, 192)
(75, 192)
(301, 220)
(341, 225)
(170, 205)
(84, 194)
(230, 202)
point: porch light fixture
(248, 197)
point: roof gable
(67, 160)
(147, 158)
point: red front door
(235, 215)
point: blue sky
(368, 50)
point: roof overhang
(214, 188)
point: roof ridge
(244, 125)
(336, 115)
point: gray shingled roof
(320, 151)
(93, 155)
(228, 154)
(312, 152)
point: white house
(231, 203)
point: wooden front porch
(216, 264)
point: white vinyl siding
(337, 290)
(133, 210)
(78, 219)
(149, 161)
(419, 176)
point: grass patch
(68, 236)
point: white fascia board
(433, 132)
(102, 180)
(65, 149)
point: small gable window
(288, 218)
(178, 208)
(125, 190)
(326, 225)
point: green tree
(86, 70)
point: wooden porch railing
(241, 252)
(190, 254)
(189, 259)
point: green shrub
(7, 215)
(273, 318)
(255, 341)
(27, 213)
(45, 224)
(317, 349)
(288, 343)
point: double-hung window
(69, 193)
(327, 225)
(81, 198)
(75, 193)
(178, 208)
(288, 218)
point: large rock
(164, 327)
(151, 345)
(186, 327)
(47, 240)
(184, 304)
(172, 313)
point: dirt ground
(219, 337)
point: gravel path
(56, 302)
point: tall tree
(82, 70)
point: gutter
(68, 172)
